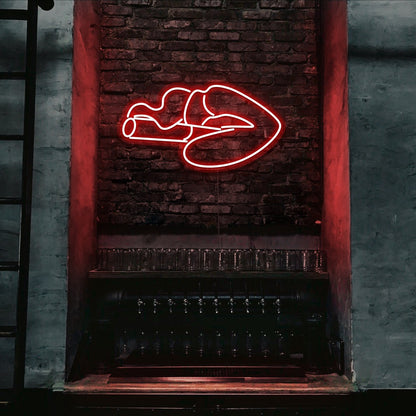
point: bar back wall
(265, 48)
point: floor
(318, 395)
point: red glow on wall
(193, 118)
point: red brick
(308, 4)
(240, 198)
(302, 90)
(224, 35)
(265, 58)
(184, 209)
(118, 54)
(306, 25)
(206, 77)
(210, 56)
(169, 34)
(122, 33)
(110, 100)
(142, 45)
(154, 56)
(112, 21)
(233, 187)
(292, 58)
(256, 14)
(108, 130)
(234, 57)
(241, 25)
(142, 23)
(208, 3)
(167, 165)
(168, 3)
(223, 14)
(114, 65)
(275, 47)
(144, 154)
(188, 13)
(300, 15)
(154, 186)
(243, 209)
(183, 56)
(242, 4)
(178, 45)
(193, 187)
(114, 43)
(176, 24)
(211, 45)
(199, 197)
(291, 36)
(120, 87)
(122, 76)
(192, 35)
(232, 67)
(266, 168)
(244, 78)
(144, 66)
(242, 46)
(305, 47)
(275, 4)
(139, 2)
(274, 25)
(266, 80)
(111, 9)
(215, 209)
(257, 36)
(166, 78)
(221, 177)
(209, 24)
(155, 13)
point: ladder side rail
(26, 195)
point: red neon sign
(198, 120)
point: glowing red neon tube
(146, 123)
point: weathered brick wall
(265, 47)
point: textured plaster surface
(382, 91)
(48, 268)
(48, 279)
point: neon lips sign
(197, 118)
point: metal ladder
(24, 201)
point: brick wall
(265, 47)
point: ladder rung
(13, 14)
(7, 331)
(10, 201)
(12, 75)
(12, 137)
(11, 266)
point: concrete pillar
(382, 91)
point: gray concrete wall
(48, 269)
(382, 90)
(382, 104)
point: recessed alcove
(317, 219)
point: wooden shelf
(327, 384)
(297, 275)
